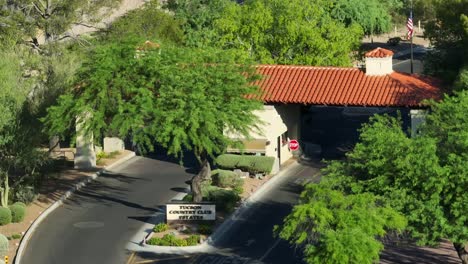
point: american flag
(409, 25)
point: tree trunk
(197, 180)
(462, 252)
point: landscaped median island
(190, 224)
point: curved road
(95, 224)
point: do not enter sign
(293, 144)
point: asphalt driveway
(95, 224)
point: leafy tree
(372, 15)
(19, 155)
(337, 228)
(180, 98)
(13, 25)
(54, 17)
(448, 124)
(288, 32)
(147, 22)
(424, 178)
(448, 32)
(197, 18)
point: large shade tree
(19, 153)
(288, 32)
(448, 33)
(424, 178)
(182, 99)
(273, 31)
(372, 15)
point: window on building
(284, 139)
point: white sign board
(190, 212)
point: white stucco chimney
(379, 62)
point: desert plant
(226, 178)
(161, 227)
(5, 215)
(3, 246)
(21, 204)
(15, 236)
(25, 194)
(192, 240)
(18, 211)
(225, 200)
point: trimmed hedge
(252, 164)
(5, 215)
(18, 211)
(227, 179)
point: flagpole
(412, 33)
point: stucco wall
(379, 66)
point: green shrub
(161, 227)
(25, 194)
(193, 240)
(226, 178)
(188, 198)
(205, 229)
(252, 164)
(18, 212)
(3, 245)
(227, 161)
(225, 200)
(16, 236)
(5, 216)
(167, 240)
(21, 204)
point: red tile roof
(379, 53)
(343, 86)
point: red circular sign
(293, 144)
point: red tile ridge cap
(260, 66)
(379, 53)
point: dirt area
(52, 189)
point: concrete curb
(209, 245)
(24, 241)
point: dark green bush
(5, 216)
(18, 211)
(161, 227)
(193, 240)
(25, 194)
(16, 236)
(225, 200)
(187, 198)
(252, 164)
